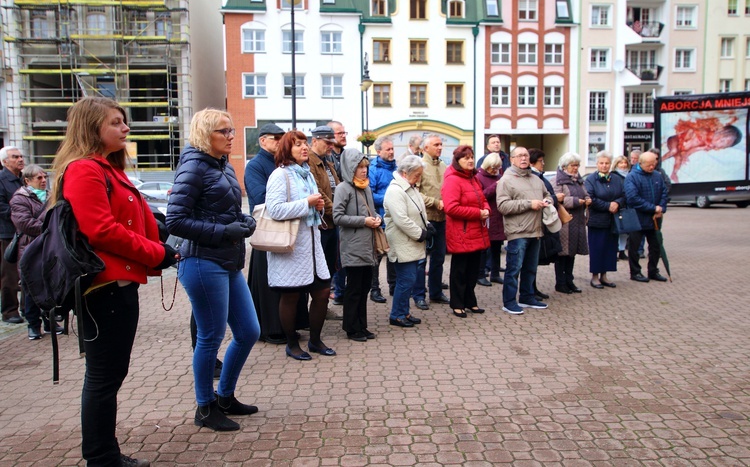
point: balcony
(646, 73)
(650, 31)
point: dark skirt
(602, 250)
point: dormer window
(379, 7)
(456, 9)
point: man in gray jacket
(521, 196)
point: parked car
(159, 210)
(135, 181)
(741, 199)
(158, 190)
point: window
(454, 52)
(492, 9)
(747, 48)
(747, 7)
(599, 59)
(286, 41)
(747, 85)
(454, 95)
(683, 60)
(456, 9)
(299, 84)
(639, 61)
(163, 25)
(253, 41)
(500, 96)
(732, 7)
(598, 106)
(562, 11)
(526, 96)
(553, 54)
(685, 17)
(379, 7)
(138, 22)
(527, 54)
(639, 103)
(417, 9)
(298, 5)
(39, 25)
(68, 22)
(381, 94)
(330, 42)
(553, 96)
(682, 92)
(500, 54)
(527, 10)
(254, 85)
(418, 95)
(725, 85)
(418, 51)
(381, 51)
(600, 16)
(332, 86)
(96, 20)
(727, 47)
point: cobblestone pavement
(644, 374)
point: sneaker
(533, 304)
(513, 309)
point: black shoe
(501, 269)
(356, 336)
(368, 334)
(541, 295)
(231, 406)
(275, 339)
(13, 320)
(212, 417)
(563, 289)
(338, 301)
(595, 285)
(126, 461)
(476, 310)
(496, 279)
(657, 277)
(642, 255)
(377, 297)
(401, 323)
(413, 319)
(483, 281)
(639, 278)
(608, 284)
(304, 356)
(573, 288)
(217, 368)
(34, 333)
(459, 313)
(444, 286)
(442, 298)
(421, 304)
(390, 291)
(622, 255)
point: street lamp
(365, 86)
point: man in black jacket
(10, 181)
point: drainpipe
(361, 67)
(475, 33)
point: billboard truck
(704, 146)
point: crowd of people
(346, 203)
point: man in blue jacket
(646, 192)
(381, 174)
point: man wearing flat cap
(266, 300)
(326, 179)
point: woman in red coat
(466, 234)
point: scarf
(41, 194)
(604, 177)
(623, 172)
(361, 183)
(305, 183)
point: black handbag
(626, 221)
(11, 253)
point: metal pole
(294, 74)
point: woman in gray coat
(354, 213)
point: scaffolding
(134, 51)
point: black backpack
(57, 266)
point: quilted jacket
(644, 191)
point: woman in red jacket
(466, 233)
(119, 225)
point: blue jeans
(406, 273)
(437, 258)
(522, 256)
(218, 297)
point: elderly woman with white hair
(573, 234)
(607, 193)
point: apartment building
(726, 66)
(136, 52)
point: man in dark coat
(646, 192)
(257, 171)
(10, 181)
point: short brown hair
(459, 153)
(283, 155)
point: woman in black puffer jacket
(205, 208)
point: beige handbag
(381, 242)
(272, 235)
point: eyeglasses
(521, 156)
(341, 133)
(226, 132)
